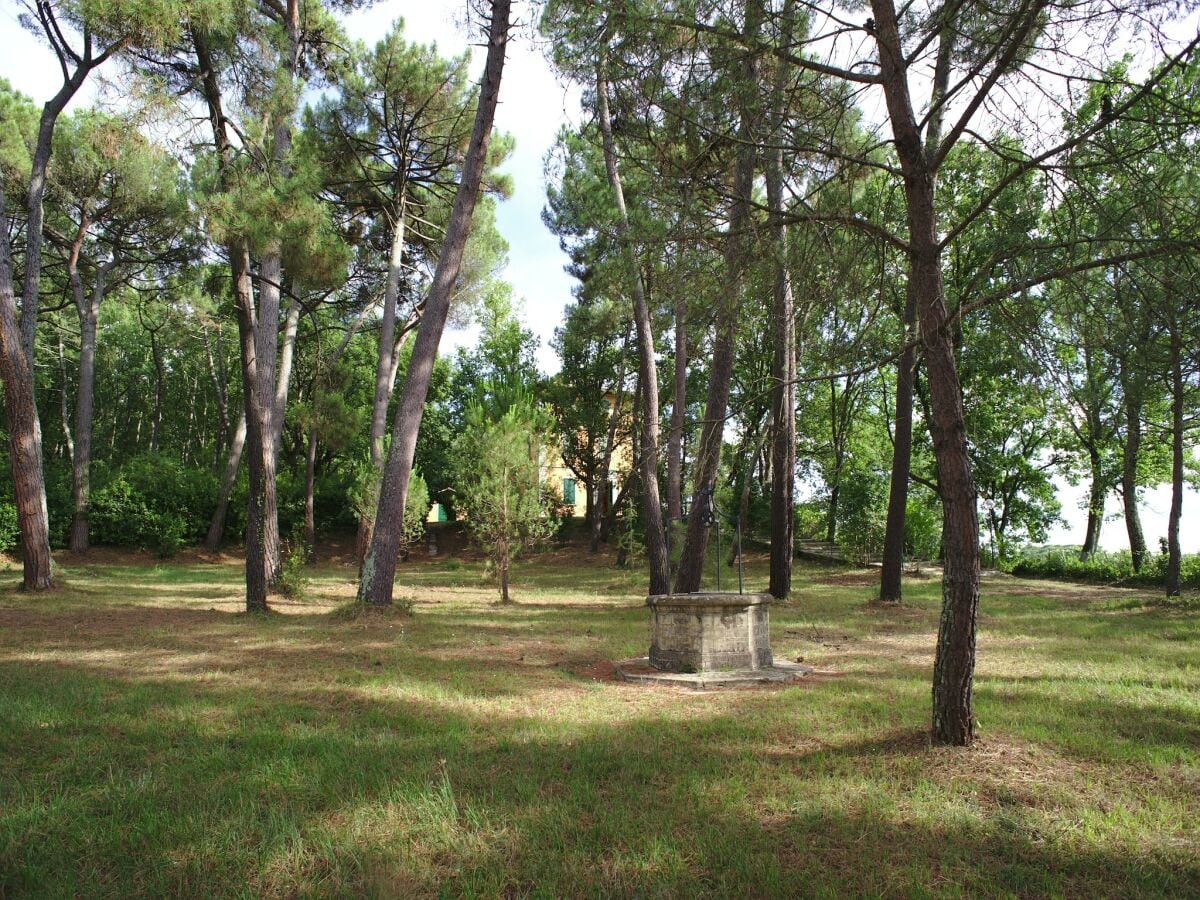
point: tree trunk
(599, 503)
(1174, 551)
(222, 395)
(783, 362)
(216, 526)
(1129, 479)
(24, 429)
(708, 454)
(384, 370)
(259, 460)
(379, 568)
(893, 540)
(81, 463)
(656, 538)
(1091, 541)
(954, 663)
(891, 576)
(310, 482)
(678, 408)
(156, 416)
(64, 403)
(832, 511)
(37, 190)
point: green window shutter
(441, 513)
(569, 490)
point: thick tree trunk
(708, 454)
(678, 408)
(216, 526)
(384, 370)
(893, 540)
(81, 464)
(379, 568)
(954, 663)
(656, 538)
(259, 460)
(261, 325)
(24, 429)
(1174, 550)
(258, 336)
(891, 575)
(1129, 479)
(783, 361)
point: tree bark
(678, 409)
(1095, 519)
(598, 499)
(656, 538)
(384, 368)
(64, 403)
(42, 151)
(24, 429)
(954, 663)
(708, 454)
(379, 568)
(216, 526)
(1129, 479)
(257, 398)
(1174, 550)
(891, 575)
(222, 394)
(890, 588)
(310, 482)
(81, 463)
(783, 362)
(156, 414)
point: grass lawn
(153, 740)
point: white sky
(533, 104)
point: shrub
(1102, 568)
(499, 485)
(8, 526)
(862, 515)
(154, 502)
(922, 529)
(292, 581)
(363, 494)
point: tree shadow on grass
(155, 787)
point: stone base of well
(640, 671)
(709, 632)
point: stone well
(709, 632)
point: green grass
(154, 741)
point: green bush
(8, 526)
(862, 515)
(922, 529)
(1102, 568)
(293, 582)
(809, 523)
(154, 502)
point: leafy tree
(499, 484)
